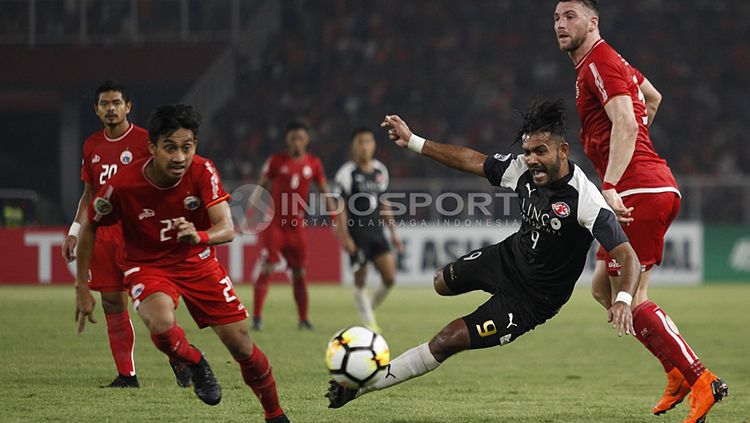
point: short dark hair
(170, 117)
(295, 125)
(545, 116)
(112, 85)
(361, 130)
(591, 4)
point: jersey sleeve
(210, 188)
(85, 168)
(606, 79)
(269, 168)
(319, 175)
(383, 184)
(639, 78)
(342, 182)
(595, 215)
(503, 171)
(104, 209)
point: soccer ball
(356, 355)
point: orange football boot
(707, 391)
(676, 391)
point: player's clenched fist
(186, 231)
(69, 248)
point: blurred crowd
(458, 72)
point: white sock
(380, 294)
(362, 299)
(412, 363)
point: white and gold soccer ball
(356, 355)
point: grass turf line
(571, 369)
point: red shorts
(105, 274)
(288, 241)
(206, 289)
(652, 215)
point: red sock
(256, 372)
(660, 335)
(259, 293)
(121, 341)
(173, 343)
(300, 296)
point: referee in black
(530, 274)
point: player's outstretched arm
(69, 246)
(653, 99)
(620, 313)
(85, 302)
(456, 157)
(220, 232)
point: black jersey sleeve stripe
(607, 230)
(504, 171)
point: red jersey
(148, 212)
(104, 156)
(290, 184)
(602, 75)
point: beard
(553, 172)
(575, 43)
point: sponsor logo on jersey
(359, 178)
(307, 172)
(205, 253)
(146, 213)
(555, 223)
(102, 206)
(505, 339)
(95, 159)
(126, 157)
(561, 209)
(502, 157)
(137, 290)
(191, 202)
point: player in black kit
(361, 182)
(530, 274)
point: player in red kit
(104, 153)
(289, 174)
(173, 210)
(617, 104)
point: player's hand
(615, 202)
(398, 131)
(621, 318)
(349, 245)
(397, 245)
(69, 248)
(186, 231)
(85, 303)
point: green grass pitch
(572, 369)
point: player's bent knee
(438, 283)
(114, 302)
(452, 339)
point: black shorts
(506, 315)
(370, 243)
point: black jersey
(546, 256)
(361, 190)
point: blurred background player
(617, 104)
(289, 175)
(104, 153)
(173, 210)
(530, 274)
(360, 182)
